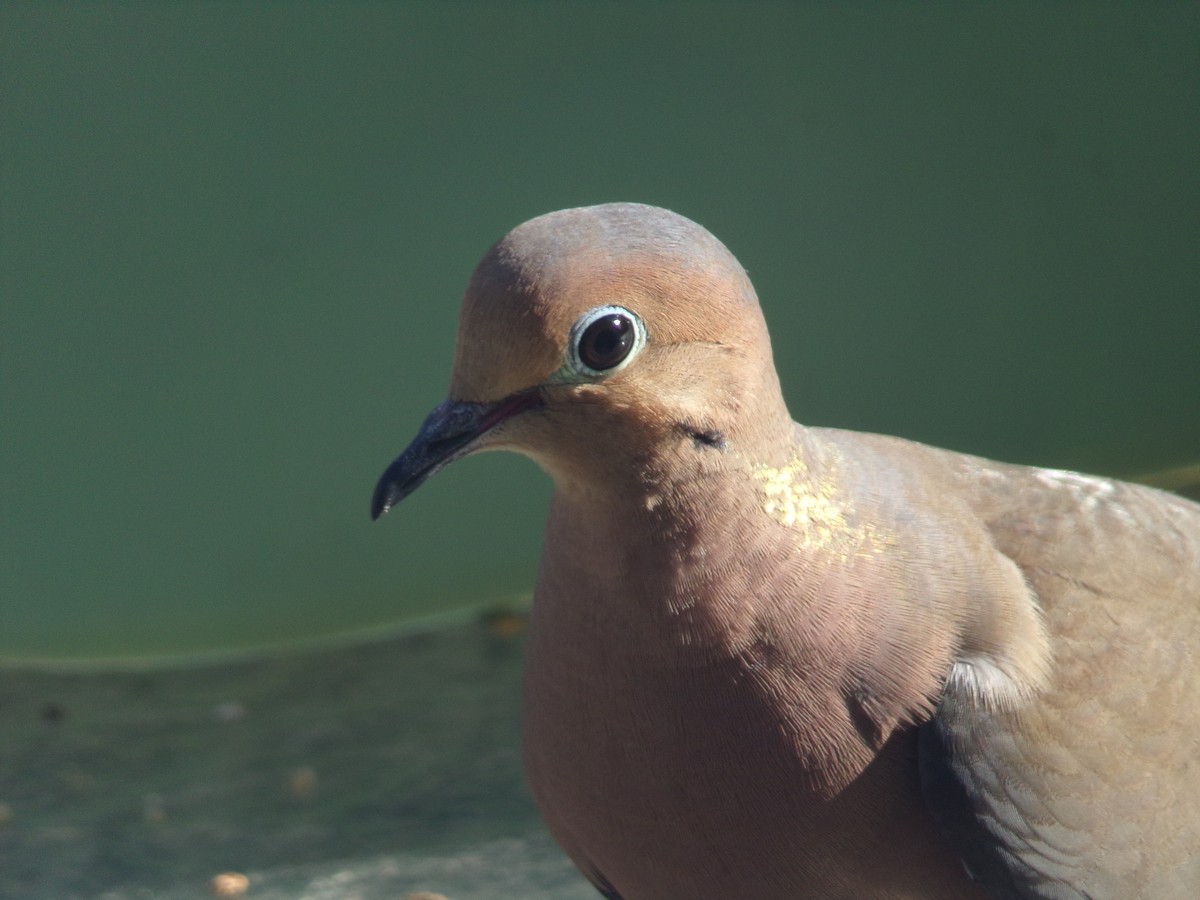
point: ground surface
(355, 773)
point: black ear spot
(706, 438)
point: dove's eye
(605, 339)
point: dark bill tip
(448, 433)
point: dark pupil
(606, 342)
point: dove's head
(598, 339)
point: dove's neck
(754, 581)
(826, 549)
(700, 547)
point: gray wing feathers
(1091, 788)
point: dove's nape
(771, 661)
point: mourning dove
(774, 662)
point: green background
(235, 237)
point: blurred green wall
(234, 237)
